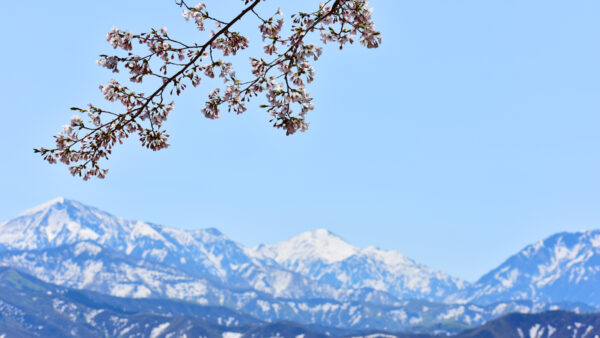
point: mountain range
(30, 307)
(313, 278)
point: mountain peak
(321, 232)
(389, 257)
(55, 200)
(317, 235)
(59, 221)
(46, 205)
(310, 246)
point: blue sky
(470, 133)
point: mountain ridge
(208, 251)
(562, 267)
(314, 276)
(31, 307)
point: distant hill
(541, 325)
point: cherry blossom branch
(81, 146)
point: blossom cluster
(281, 75)
(198, 14)
(119, 39)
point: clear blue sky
(472, 132)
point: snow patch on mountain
(88, 248)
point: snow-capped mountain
(203, 253)
(315, 277)
(315, 264)
(563, 267)
(62, 221)
(301, 253)
(87, 265)
(325, 257)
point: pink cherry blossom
(281, 73)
